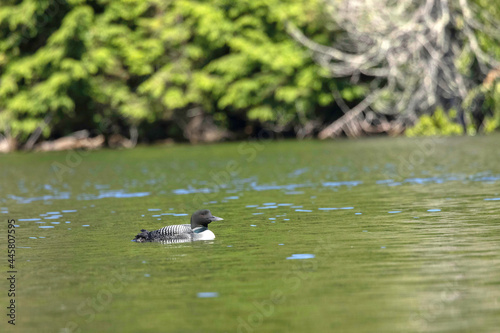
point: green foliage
(82, 63)
(489, 95)
(437, 124)
(492, 122)
(149, 60)
(236, 59)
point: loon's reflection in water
(179, 241)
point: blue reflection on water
(52, 217)
(301, 256)
(191, 190)
(113, 194)
(288, 187)
(21, 200)
(207, 294)
(298, 172)
(347, 183)
(437, 180)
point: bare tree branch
(333, 129)
(416, 51)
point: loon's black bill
(215, 218)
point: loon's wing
(178, 230)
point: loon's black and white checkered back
(178, 230)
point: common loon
(197, 230)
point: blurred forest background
(119, 72)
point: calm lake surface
(374, 235)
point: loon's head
(201, 218)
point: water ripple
(301, 256)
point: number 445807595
(11, 247)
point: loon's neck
(197, 230)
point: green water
(383, 263)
